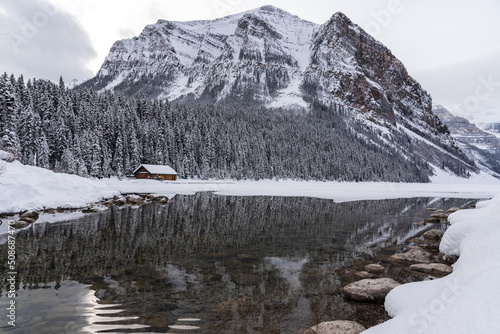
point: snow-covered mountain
(485, 114)
(483, 145)
(270, 57)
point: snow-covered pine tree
(9, 140)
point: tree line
(94, 134)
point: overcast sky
(451, 47)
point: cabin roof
(157, 169)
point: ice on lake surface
(233, 264)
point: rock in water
(370, 290)
(434, 269)
(29, 216)
(374, 268)
(413, 256)
(336, 327)
(363, 274)
(434, 235)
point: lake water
(223, 264)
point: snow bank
(32, 188)
(466, 301)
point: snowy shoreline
(30, 188)
(443, 305)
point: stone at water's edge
(31, 215)
(434, 269)
(432, 220)
(369, 290)
(363, 274)
(336, 327)
(435, 235)
(21, 224)
(413, 256)
(439, 215)
(374, 268)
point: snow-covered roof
(157, 169)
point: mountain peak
(267, 56)
(271, 8)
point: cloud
(40, 40)
(452, 85)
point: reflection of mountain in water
(238, 263)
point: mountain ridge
(270, 57)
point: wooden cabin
(156, 172)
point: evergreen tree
(9, 140)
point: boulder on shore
(336, 327)
(414, 255)
(369, 290)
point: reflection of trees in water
(240, 261)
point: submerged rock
(336, 327)
(414, 255)
(434, 269)
(369, 290)
(363, 274)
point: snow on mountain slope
(269, 56)
(210, 58)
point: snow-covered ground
(30, 188)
